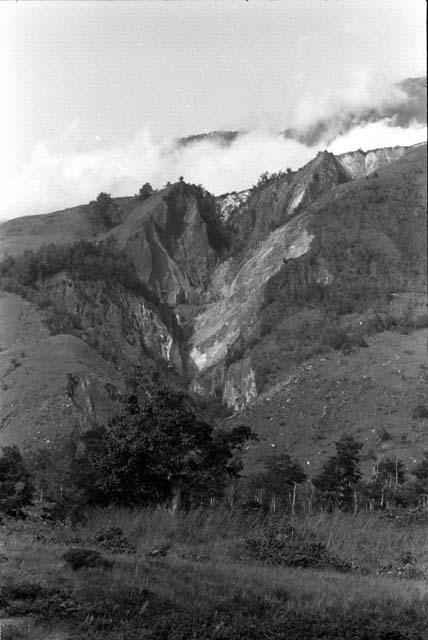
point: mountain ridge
(406, 105)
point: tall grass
(205, 577)
(363, 538)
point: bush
(280, 543)
(85, 558)
(105, 210)
(112, 540)
(420, 412)
(145, 192)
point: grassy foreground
(207, 586)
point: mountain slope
(230, 296)
(370, 393)
(345, 254)
(50, 385)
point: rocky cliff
(174, 240)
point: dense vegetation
(365, 246)
(83, 260)
(158, 450)
(101, 262)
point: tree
(391, 472)
(279, 479)
(389, 475)
(15, 486)
(105, 210)
(145, 192)
(282, 473)
(160, 451)
(340, 474)
(421, 470)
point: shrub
(85, 558)
(112, 540)
(105, 210)
(420, 412)
(280, 543)
(145, 192)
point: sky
(94, 93)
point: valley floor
(205, 586)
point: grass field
(207, 586)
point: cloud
(68, 169)
(379, 134)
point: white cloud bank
(60, 174)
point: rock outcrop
(274, 200)
(359, 164)
(174, 240)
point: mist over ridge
(68, 170)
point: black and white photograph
(213, 320)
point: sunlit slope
(371, 393)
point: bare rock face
(240, 387)
(361, 163)
(229, 203)
(222, 321)
(174, 240)
(120, 324)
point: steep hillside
(315, 282)
(32, 232)
(230, 297)
(276, 198)
(174, 240)
(371, 393)
(50, 385)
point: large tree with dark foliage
(159, 450)
(340, 474)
